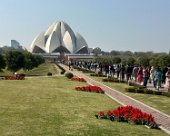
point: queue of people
(142, 75)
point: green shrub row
(83, 70)
(145, 91)
(61, 68)
(98, 75)
(111, 79)
(78, 68)
(86, 71)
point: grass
(51, 107)
(41, 70)
(156, 101)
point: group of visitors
(140, 74)
(153, 75)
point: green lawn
(51, 107)
(159, 102)
(41, 70)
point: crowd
(159, 77)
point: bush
(49, 74)
(130, 89)
(22, 74)
(110, 80)
(98, 75)
(61, 68)
(138, 90)
(69, 75)
(148, 91)
(139, 86)
(166, 94)
(157, 93)
(86, 71)
(62, 72)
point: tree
(116, 60)
(130, 60)
(105, 53)
(153, 61)
(2, 62)
(124, 61)
(96, 51)
(127, 53)
(39, 59)
(144, 61)
(114, 53)
(164, 60)
(14, 60)
(29, 60)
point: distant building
(60, 43)
(90, 50)
(59, 38)
(15, 44)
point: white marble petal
(50, 29)
(67, 42)
(80, 41)
(52, 43)
(38, 41)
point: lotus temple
(60, 39)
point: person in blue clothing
(157, 75)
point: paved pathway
(161, 118)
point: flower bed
(90, 88)
(14, 77)
(78, 79)
(129, 114)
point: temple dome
(59, 37)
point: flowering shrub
(131, 115)
(14, 77)
(90, 89)
(78, 79)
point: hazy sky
(135, 25)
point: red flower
(101, 113)
(14, 77)
(90, 88)
(78, 79)
(109, 113)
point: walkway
(161, 118)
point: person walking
(118, 71)
(157, 75)
(145, 76)
(128, 72)
(164, 71)
(135, 73)
(140, 75)
(122, 72)
(167, 81)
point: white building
(59, 38)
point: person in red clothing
(140, 75)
